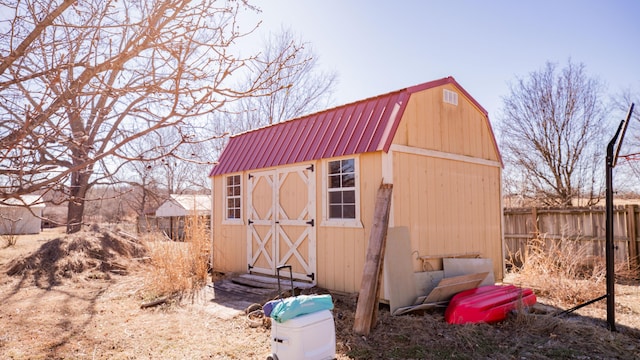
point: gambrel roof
(363, 126)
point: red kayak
(487, 304)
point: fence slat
(576, 224)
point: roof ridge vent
(450, 97)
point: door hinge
(250, 221)
(311, 222)
(249, 267)
(310, 168)
(312, 276)
(250, 176)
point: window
(450, 97)
(341, 188)
(233, 196)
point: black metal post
(609, 246)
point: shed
(171, 214)
(302, 192)
(19, 216)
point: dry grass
(522, 336)
(564, 271)
(87, 316)
(179, 268)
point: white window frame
(226, 220)
(326, 221)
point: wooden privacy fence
(586, 225)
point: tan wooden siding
(342, 250)
(450, 207)
(229, 241)
(429, 123)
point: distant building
(171, 214)
(19, 216)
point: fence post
(631, 235)
(536, 228)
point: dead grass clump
(87, 250)
(562, 270)
(10, 239)
(180, 268)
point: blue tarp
(291, 307)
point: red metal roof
(360, 127)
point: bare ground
(77, 298)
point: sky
(377, 47)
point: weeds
(10, 239)
(564, 270)
(179, 268)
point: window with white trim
(341, 189)
(233, 197)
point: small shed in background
(19, 216)
(302, 192)
(171, 214)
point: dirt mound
(95, 253)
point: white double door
(281, 221)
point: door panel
(291, 238)
(296, 221)
(261, 246)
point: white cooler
(310, 337)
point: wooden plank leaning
(366, 309)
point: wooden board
(453, 285)
(412, 308)
(268, 282)
(399, 284)
(256, 284)
(370, 285)
(442, 293)
(459, 266)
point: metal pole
(609, 247)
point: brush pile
(94, 253)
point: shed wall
(342, 250)
(430, 123)
(229, 240)
(450, 207)
(19, 221)
(449, 195)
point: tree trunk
(77, 198)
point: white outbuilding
(171, 214)
(19, 216)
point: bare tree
(82, 83)
(551, 134)
(296, 91)
(628, 165)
